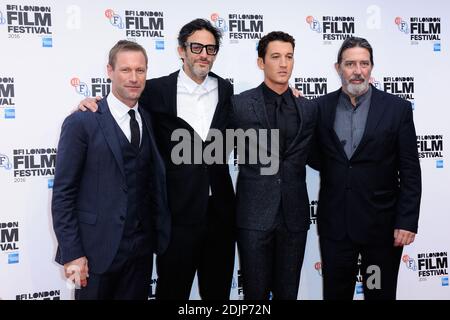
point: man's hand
(89, 104)
(296, 93)
(403, 237)
(77, 271)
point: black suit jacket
(259, 196)
(188, 184)
(90, 193)
(379, 187)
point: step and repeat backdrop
(54, 53)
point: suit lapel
(217, 120)
(170, 101)
(374, 116)
(330, 109)
(170, 94)
(301, 116)
(107, 125)
(259, 107)
(148, 124)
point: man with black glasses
(201, 196)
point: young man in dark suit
(109, 201)
(370, 179)
(273, 207)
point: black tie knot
(279, 101)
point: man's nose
(203, 53)
(357, 69)
(133, 76)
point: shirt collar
(272, 95)
(118, 108)
(191, 86)
(359, 99)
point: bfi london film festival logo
(142, 24)
(431, 147)
(4, 162)
(240, 26)
(96, 86)
(2, 18)
(22, 20)
(9, 240)
(30, 163)
(7, 98)
(429, 265)
(421, 29)
(332, 28)
(219, 22)
(400, 86)
(40, 295)
(311, 87)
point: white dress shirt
(196, 103)
(119, 111)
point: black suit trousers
(207, 249)
(271, 261)
(379, 269)
(128, 277)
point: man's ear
(336, 66)
(109, 68)
(260, 63)
(181, 52)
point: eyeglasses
(197, 48)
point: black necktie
(134, 126)
(280, 123)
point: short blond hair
(125, 45)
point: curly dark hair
(195, 25)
